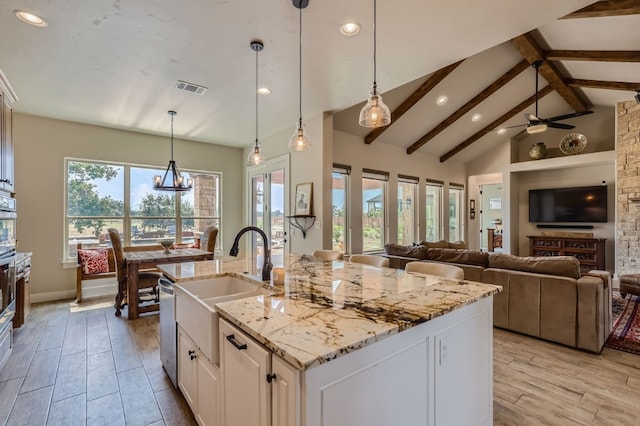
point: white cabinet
(285, 393)
(199, 381)
(6, 143)
(245, 365)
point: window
(339, 196)
(374, 186)
(407, 202)
(456, 193)
(433, 210)
(121, 196)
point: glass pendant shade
(375, 113)
(172, 180)
(255, 156)
(299, 140)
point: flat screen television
(581, 204)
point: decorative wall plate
(573, 143)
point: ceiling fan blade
(508, 127)
(531, 117)
(567, 116)
(560, 125)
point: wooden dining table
(149, 259)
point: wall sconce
(472, 209)
(406, 205)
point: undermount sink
(195, 308)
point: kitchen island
(352, 344)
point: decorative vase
(538, 151)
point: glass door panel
(276, 192)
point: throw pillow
(458, 245)
(94, 261)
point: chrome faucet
(267, 266)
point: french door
(269, 195)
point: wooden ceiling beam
(532, 52)
(496, 123)
(607, 8)
(484, 94)
(431, 82)
(599, 84)
(593, 55)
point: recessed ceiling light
(442, 100)
(30, 18)
(502, 131)
(350, 29)
(476, 117)
(264, 91)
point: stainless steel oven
(7, 264)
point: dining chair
(446, 271)
(208, 239)
(147, 281)
(370, 259)
(326, 255)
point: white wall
(351, 150)
(41, 144)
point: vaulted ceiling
(115, 63)
(588, 59)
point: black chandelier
(172, 180)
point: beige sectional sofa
(545, 297)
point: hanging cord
(375, 20)
(300, 71)
(536, 65)
(256, 98)
(172, 114)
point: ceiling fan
(535, 124)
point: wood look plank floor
(79, 364)
(82, 365)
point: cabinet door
(7, 149)
(285, 391)
(208, 392)
(244, 366)
(187, 368)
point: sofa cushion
(416, 252)
(435, 244)
(468, 257)
(94, 261)
(565, 266)
(458, 245)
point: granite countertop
(328, 309)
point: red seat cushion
(94, 261)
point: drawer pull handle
(231, 338)
(271, 377)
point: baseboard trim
(52, 296)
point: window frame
(345, 172)
(414, 181)
(459, 189)
(126, 217)
(383, 177)
(439, 226)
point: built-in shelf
(578, 160)
(302, 222)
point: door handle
(231, 338)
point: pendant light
(172, 180)
(299, 141)
(256, 156)
(375, 113)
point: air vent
(190, 87)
